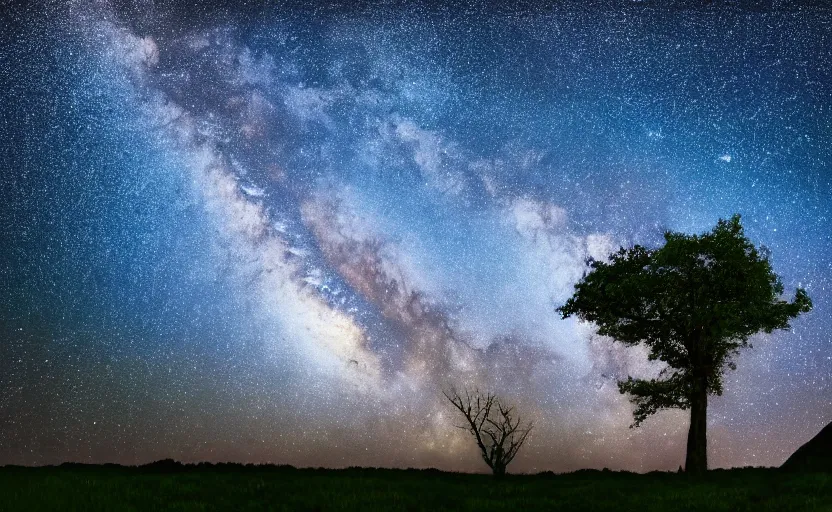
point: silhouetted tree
(495, 427)
(694, 302)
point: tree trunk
(696, 461)
(499, 470)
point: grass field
(233, 487)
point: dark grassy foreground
(235, 487)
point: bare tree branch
(498, 432)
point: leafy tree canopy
(694, 302)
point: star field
(273, 233)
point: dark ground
(169, 486)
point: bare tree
(494, 425)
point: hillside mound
(816, 455)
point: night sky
(273, 233)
